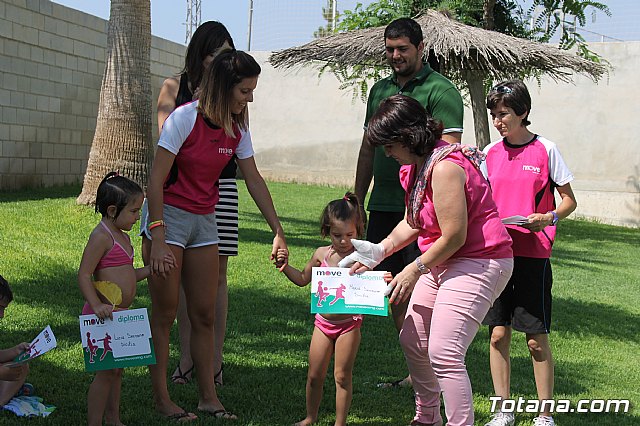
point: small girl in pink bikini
(337, 334)
(108, 256)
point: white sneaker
(543, 421)
(502, 419)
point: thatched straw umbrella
(465, 53)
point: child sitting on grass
(11, 378)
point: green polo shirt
(442, 101)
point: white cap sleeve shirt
(202, 151)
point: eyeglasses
(502, 90)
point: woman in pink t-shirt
(466, 256)
(525, 171)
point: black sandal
(181, 417)
(182, 378)
(224, 414)
(217, 379)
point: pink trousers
(445, 311)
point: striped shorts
(227, 217)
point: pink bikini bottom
(334, 329)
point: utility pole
(250, 25)
(334, 14)
(194, 18)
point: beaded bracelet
(155, 224)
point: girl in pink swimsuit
(337, 334)
(108, 256)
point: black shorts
(379, 227)
(525, 303)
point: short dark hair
(404, 27)
(115, 190)
(513, 94)
(343, 209)
(5, 291)
(207, 38)
(401, 119)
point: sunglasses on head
(502, 89)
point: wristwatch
(555, 218)
(421, 267)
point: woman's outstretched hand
(401, 287)
(367, 256)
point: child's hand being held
(282, 258)
(170, 261)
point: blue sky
(168, 18)
(276, 25)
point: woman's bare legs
(542, 367)
(499, 361)
(200, 283)
(184, 371)
(164, 302)
(220, 327)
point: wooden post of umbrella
(475, 83)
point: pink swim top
(325, 261)
(117, 255)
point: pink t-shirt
(487, 238)
(523, 178)
(202, 151)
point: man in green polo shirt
(413, 77)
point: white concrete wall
(596, 128)
(306, 130)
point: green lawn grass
(596, 327)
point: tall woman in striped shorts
(209, 39)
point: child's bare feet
(306, 422)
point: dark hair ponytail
(344, 209)
(115, 190)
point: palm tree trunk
(475, 84)
(122, 141)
